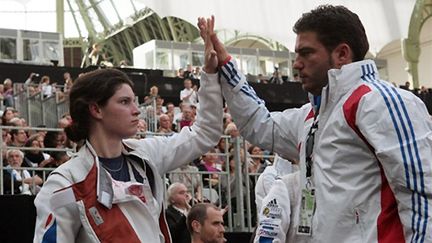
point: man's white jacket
(372, 153)
(80, 202)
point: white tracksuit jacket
(80, 202)
(372, 154)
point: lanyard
(310, 144)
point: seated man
(205, 223)
(29, 184)
(176, 212)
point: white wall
(425, 64)
(396, 64)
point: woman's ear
(95, 111)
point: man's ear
(95, 111)
(342, 55)
(196, 226)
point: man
(205, 224)
(18, 137)
(188, 116)
(364, 146)
(165, 124)
(29, 183)
(176, 212)
(188, 95)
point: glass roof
(40, 15)
(384, 21)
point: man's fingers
(212, 20)
(202, 25)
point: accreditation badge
(307, 209)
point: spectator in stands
(188, 116)
(197, 73)
(8, 93)
(96, 56)
(170, 108)
(52, 139)
(209, 163)
(160, 108)
(180, 73)
(385, 130)
(187, 175)
(18, 122)
(205, 224)
(178, 117)
(276, 77)
(222, 149)
(67, 117)
(68, 82)
(189, 71)
(21, 176)
(231, 130)
(259, 163)
(34, 158)
(1, 96)
(154, 92)
(232, 183)
(32, 84)
(188, 95)
(46, 87)
(18, 137)
(6, 136)
(407, 85)
(165, 124)
(179, 201)
(64, 140)
(119, 180)
(142, 128)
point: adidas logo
(272, 203)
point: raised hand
(222, 53)
(210, 56)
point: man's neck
(196, 239)
(181, 209)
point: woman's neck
(105, 146)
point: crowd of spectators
(23, 146)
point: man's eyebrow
(305, 48)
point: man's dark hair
(335, 25)
(198, 212)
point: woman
(258, 162)
(113, 190)
(8, 114)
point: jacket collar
(344, 79)
(104, 190)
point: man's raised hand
(210, 56)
